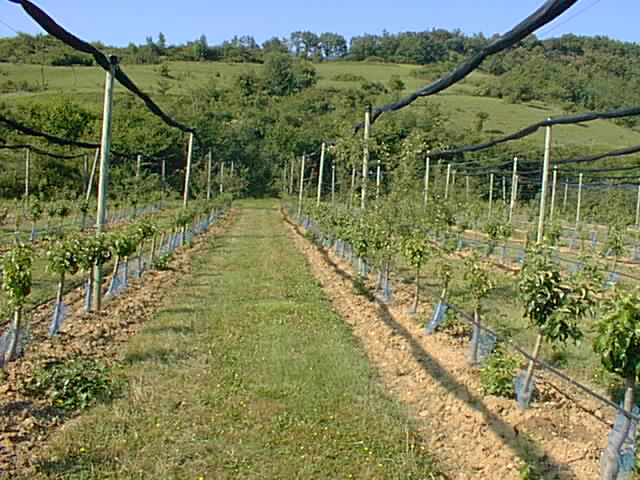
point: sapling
(123, 245)
(552, 305)
(16, 283)
(479, 284)
(92, 252)
(618, 344)
(84, 209)
(614, 244)
(62, 259)
(415, 247)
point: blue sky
(117, 22)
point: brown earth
(473, 436)
(25, 421)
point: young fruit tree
(16, 283)
(552, 305)
(618, 345)
(416, 249)
(479, 284)
(62, 260)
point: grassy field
(459, 102)
(245, 373)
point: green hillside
(84, 84)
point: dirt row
(473, 436)
(25, 422)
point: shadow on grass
(73, 463)
(522, 447)
(177, 329)
(160, 355)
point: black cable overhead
(549, 122)
(40, 152)
(545, 14)
(51, 27)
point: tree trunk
(611, 467)
(532, 365)
(416, 297)
(13, 342)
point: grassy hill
(84, 84)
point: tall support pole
(545, 185)
(365, 157)
(321, 173)
(92, 175)
(85, 174)
(427, 178)
(333, 183)
(27, 175)
(353, 187)
(187, 176)
(209, 173)
(491, 178)
(378, 179)
(554, 187)
(138, 166)
(543, 199)
(291, 175)
(453, 183)
(105, 151)
(504, 190)
(222, 177)
(163, 174)
(638, 208)
(579, 207)
(566, 195)
(301, 190)
(514, 189)
(466, 190)
(446, 185)
(233, 167)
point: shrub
(496, 376)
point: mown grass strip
(246, 373)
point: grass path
(245, 373)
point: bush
(348, 77)
(72, 384)
(496, 376)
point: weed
(72, 384)
(162, 261)
(496, 376)
(529, 472)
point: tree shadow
(519, 444)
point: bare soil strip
(25, 422)
(476, 436)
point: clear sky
(117, 22)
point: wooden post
(638, 208)
(222, 177)
(233, 166)
(553, 193)
(545, 184)
(491, 176)
(446, 185)
(27, 174)
(138, 166)
(291, 175)
(187, 176)
(320, 173)
(92, 175)
(466, 190)
(378, 179)
(426, 179)
(579, 200)
(209, 171)
(514, 188)
(105, 151)
(301, 190)
(333, 183)
(365, 157)
(504, 190)
(566, 193)
(353, 186)
(85, 174)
